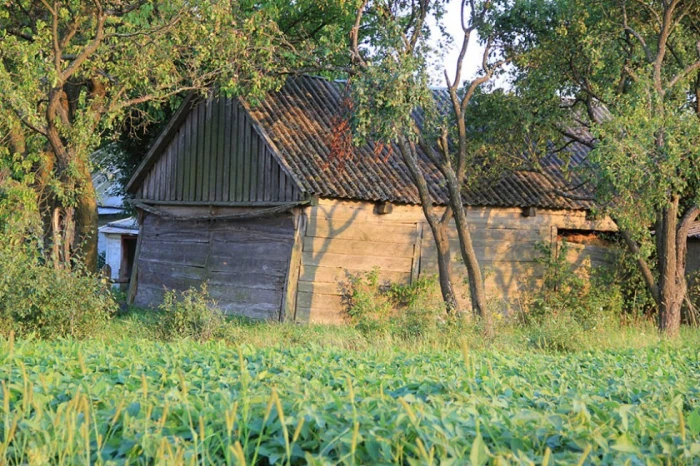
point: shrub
(50, 302)
(560, 333)
(588, 296)
(366, 304)
(405, 311)
(190, 314)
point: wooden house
(248, 200)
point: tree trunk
(86, 220)
(438, 227)
(442, 244)
(671, 292)
(670, 315)
(477, 293)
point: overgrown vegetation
(182, 402)
(50, 302)
(36, 298)
(570, 301)
(404, 385)
(404, 311)
(560, 311)
(189, 314)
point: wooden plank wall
(347, 237)
(344, 236)
(244, 262)
(216, 156)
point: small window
(587, 237)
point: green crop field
(141, 402)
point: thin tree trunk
(56, 237)
(476, 283)
(86, 221)
(442, 244)
(437, 226)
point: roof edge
(163, 139)
(273, 148)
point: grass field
(314, 395)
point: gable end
(212, 153)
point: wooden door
(243, 262)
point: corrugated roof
(299, 121)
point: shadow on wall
(319, 284)
(345, 236)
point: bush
(52, 303)
(587, 296)
(405, 311)
(561, 333)
(190, 314)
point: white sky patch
(453, 26)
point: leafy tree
(630, 69)
(391, 81)
(74, 71)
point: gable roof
(297, 122)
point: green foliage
(630, 73)
(155, 403)
(637, 301)
(405, 311)
(587, 293)
(189, 314)
(20, 224)
(570, 302)
(76, 74)
(49, 302)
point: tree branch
(647, 51)
(354, 36)
(90, 48)
(685, 73)
(643, 266)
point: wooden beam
(529, 212)
(289, 298)
(133, 282)
(211, 204)
(383, 208)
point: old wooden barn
(248, 200)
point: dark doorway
(127, 261)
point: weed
(189, 314)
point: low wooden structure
(249, 200)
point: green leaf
(694, 422)
(479, 454)
(625, 444)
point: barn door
(248, 263)
(244, 262)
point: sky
(472, 60)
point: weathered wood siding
(244, 262)
(349, 237)
(217, 157)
